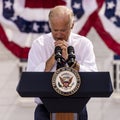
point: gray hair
(61, 10)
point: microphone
(71, 56)
(58, 54)
(58, 57)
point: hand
(63, 44)
(76, 66)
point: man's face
(60, 28)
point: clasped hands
(51, 61)
(64, 45)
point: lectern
(38, 84)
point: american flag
(22, 21)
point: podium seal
(66, 81)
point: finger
(61, 43)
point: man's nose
(59, 36)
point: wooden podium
(38, 84)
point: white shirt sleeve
(86, 57)
(35, 62)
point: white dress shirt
(43, 47)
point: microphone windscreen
(58, 49)
(70, 49)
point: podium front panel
(39, 84)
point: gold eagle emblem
(65, 81)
